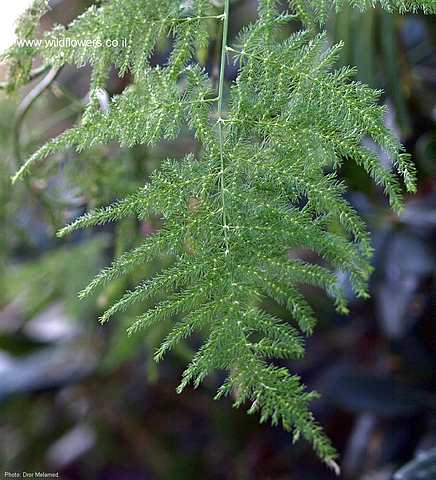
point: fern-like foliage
(257, 189)
(21, 55)
(311, 11)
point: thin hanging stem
(221, 121)
(22, 111)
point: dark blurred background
(88, 402)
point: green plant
(262, 182)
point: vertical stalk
(221, 120)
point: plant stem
(221, 121)
(22, 111)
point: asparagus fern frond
(257, 190)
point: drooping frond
(315, 11)
(402, 6)
(263, 184)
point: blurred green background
(88, 402)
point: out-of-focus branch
(21, 113)
(34, 74)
